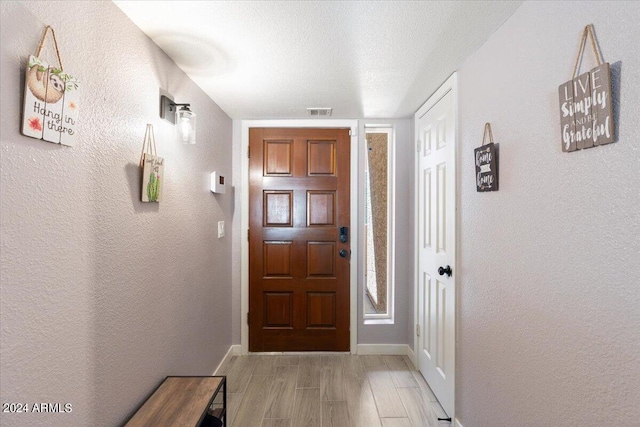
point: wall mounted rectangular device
(218, 183)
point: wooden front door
(298, 202)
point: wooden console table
(184, 401)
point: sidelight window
(378, 224)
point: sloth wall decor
(51, 101)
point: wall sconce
(183, 117)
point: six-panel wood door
(298, 199)
(436, 248)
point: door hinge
(418, 145)
(248, 235)
(248, 319)
(417, 329)
(248, 152)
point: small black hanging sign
(486, 158)
(586, 113)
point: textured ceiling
(261, 60)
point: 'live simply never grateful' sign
(586, 112)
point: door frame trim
(244, 219)
(450, 85)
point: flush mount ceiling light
(182, 116)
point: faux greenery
(153, 187)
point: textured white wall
(239, 193)
(102, 295)
(549, 328)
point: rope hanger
(487, 129)
(55, 43)
(149, 144)
(588, 31)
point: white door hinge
(417, 329)
(418, 145)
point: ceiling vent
(319, 112)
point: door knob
(343, 253)
(447, 270)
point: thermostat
(218, 183)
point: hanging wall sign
(152, 168)
(586, 110)
(50, 100)
(486, 163)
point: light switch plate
(220, 229)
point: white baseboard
(458, 423)
(234, 350)
(384, 349)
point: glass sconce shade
(180, 115)
(186, 125)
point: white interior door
(435, 131)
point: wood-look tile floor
(329, 391)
